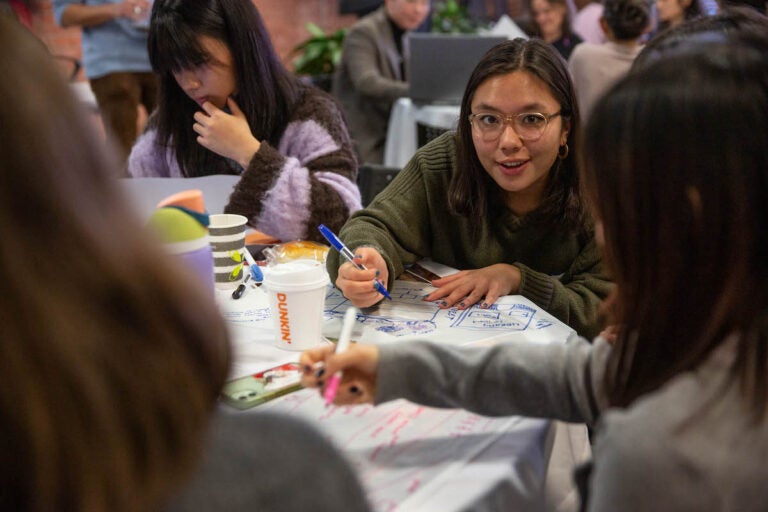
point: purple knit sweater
(286, 192)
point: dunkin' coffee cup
(227, 237)
(296, 291)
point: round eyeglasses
(529, 126)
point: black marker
(240, 290)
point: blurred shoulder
(254, 460)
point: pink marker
(343, 344)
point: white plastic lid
(297, 275)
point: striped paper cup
(227, 237)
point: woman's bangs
(178, 48)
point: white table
(145, 193)
(416, 458)
(432, 460)
(401, 141)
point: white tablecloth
(401, 141)
(415, 458)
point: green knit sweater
(561, 271)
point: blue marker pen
(256, 273)
(344, 251)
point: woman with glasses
(499, 200)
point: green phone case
(250, 391)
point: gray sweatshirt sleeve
(561, 381)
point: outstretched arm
(80, 15)
(561, 381)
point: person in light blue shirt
(115, 60)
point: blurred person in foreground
(111, 357)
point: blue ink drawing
(515, 317)
(408, 314)
(249, 315)
(413, 316)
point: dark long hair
(472, 192)
(690, 12)
(628, 19)
(731, 20)
(111, 358)
(679, 178)
(266, 91)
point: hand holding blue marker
(344, 251)
(341, 346)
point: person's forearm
(78, 15)
(542, 380)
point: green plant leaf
(314, 30)
(320, 53)
(450, 17)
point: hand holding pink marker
(343, 344)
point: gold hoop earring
(562, 152)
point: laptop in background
(440, 65)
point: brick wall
(286, 20)
(64, 42)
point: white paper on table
(251, 309)
(506, 27)
(412, 457)
(407, 456)
(409, 317)
(437, 268)
(254, 350)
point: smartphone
(250, 391)
(421, 273)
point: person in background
(685, 231)
(112, 357)
(115, 61)
(729, 20)
(552, 23)
(586, 23)
(499, 199)
(673, 12)
(371, 74)
(595, 67)
(228, 106)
